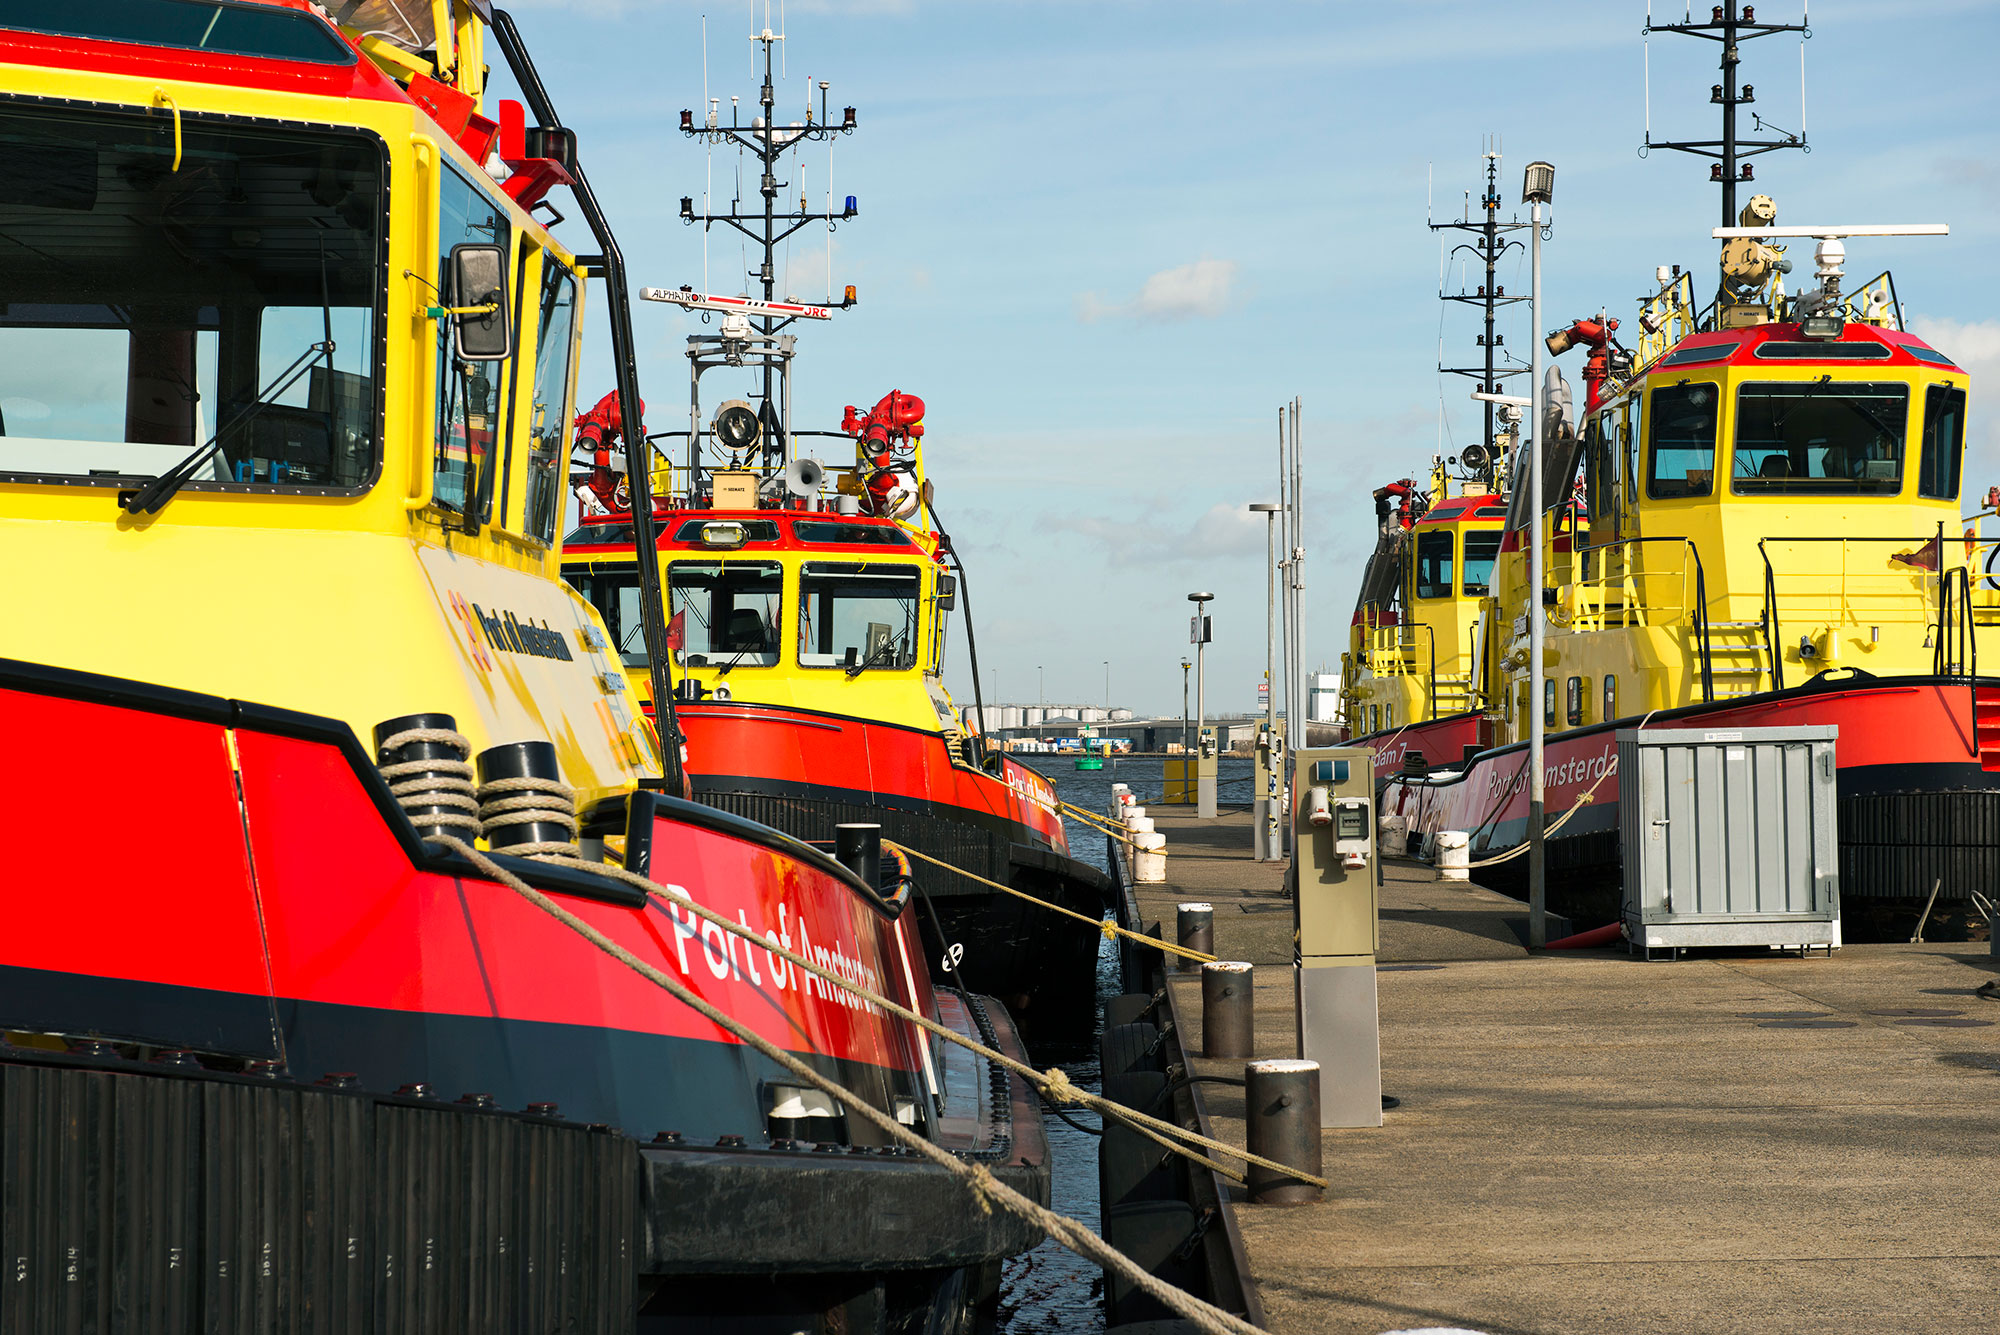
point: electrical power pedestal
(1267, 841)
(1336, 897)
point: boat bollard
(858, 848)
(1194, 928)
(1228, 1009)
(1139, 825)
(1281, 1108)
(1149, 858)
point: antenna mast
(1731, 29)
(1490, 242)
(768, 142)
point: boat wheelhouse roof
(1463, 509)
(762, 530)
(1769, 345)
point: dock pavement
(1588, 1143)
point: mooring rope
(987, 1190)
(1054, 1082)
(1111, 930)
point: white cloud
(1202, 290)
(1974, 345)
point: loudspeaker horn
(803, 477)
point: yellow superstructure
(1415, 642)
(377, 537)
(771, 602)
(1765, 509)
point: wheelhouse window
(468, 393)
(1820, 437)
(727, 612)
(1434, 563)
(614, 592)
(1681, 435)
(1944, 443)
(548, 415)
(1482, 549)
(220, 296)
(858, 614)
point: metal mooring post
(1228, 1009)
(1194, 928)
(1281, 1103)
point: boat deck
(1587, 1143)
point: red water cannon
(1402, 495)
(598, 431)
(1597, 336)
(888, 429)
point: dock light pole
(1538, 187)
(1267, 842)
(1204, 771)
(1185, 716)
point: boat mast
(1730, 153)
(1490, 242)
(768, 142)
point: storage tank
(1121, 716)
(1090, 714)
(1030, 715)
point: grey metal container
(1729, 837)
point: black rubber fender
(1128, 1047)
(1136, 1007)
(1149, 1232)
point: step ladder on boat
(1986, 725)
(1739, 661)
(1453, 695)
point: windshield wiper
(153, 497)
(877, 652)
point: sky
(1105, 241)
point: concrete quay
(1737, 1142)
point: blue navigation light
(852, 207)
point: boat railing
(1873, 582)
(1625, 597)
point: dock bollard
(1281, 1108)
(1149, 860)
(1454, 855)
(1194, 928)
(1228, 1010)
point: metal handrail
(1940, 626)
(1700, 609)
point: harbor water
(1052, 1289)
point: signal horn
(803, 476)
(736, 426)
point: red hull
(1918, 801)
(304, 924)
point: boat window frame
(859, 569)
(340, 54)
(773, 657)
(1927, 436)
(1485, 587)
(1654, 482)
(1434, 537)
(1757, 486)
(379, 312)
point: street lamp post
(1185, 717)
(1265, 822)
(1204, 763)
(1107, 689)
(1537, 188)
